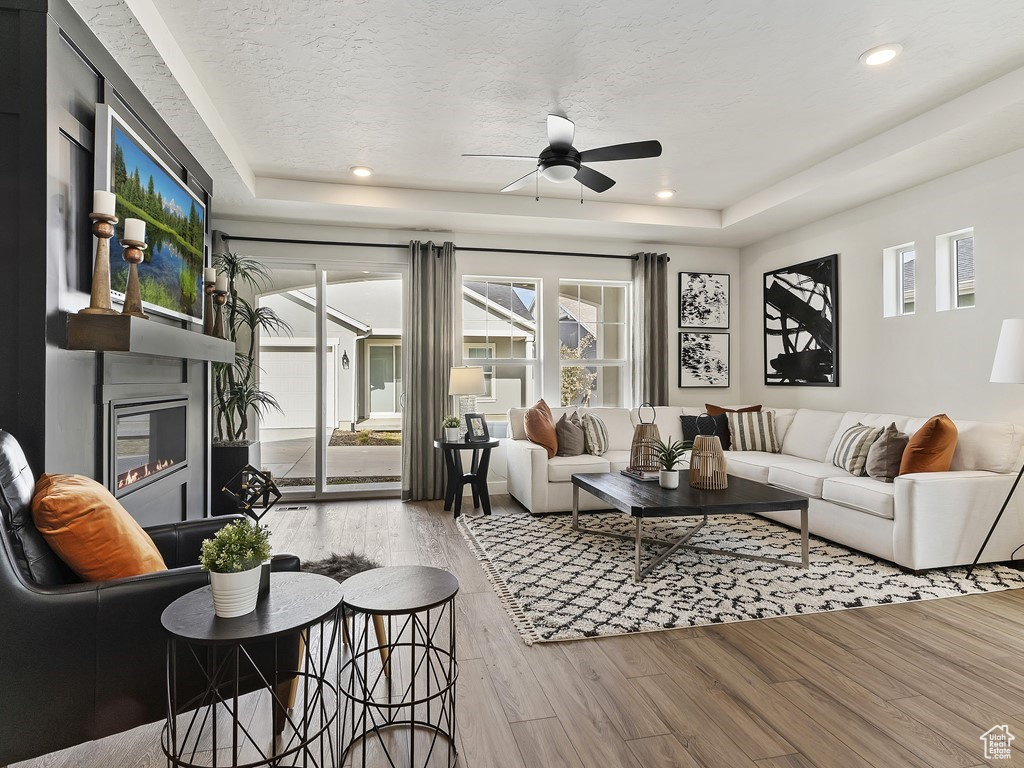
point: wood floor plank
(961, 730)
(486, 735)
(785, 761)
(629, 656)
(544, 744)
(775, 667)
(662, 752)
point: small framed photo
(476, 428)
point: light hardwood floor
(904, 685)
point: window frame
(947, 293)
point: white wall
(920, 364)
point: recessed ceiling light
(361, 170)
(881, 54)
(664, 194)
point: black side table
(299, 621)
(418, 603)
(456, 478)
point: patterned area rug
(561, 585)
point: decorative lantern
(707, 461)
(643, 455)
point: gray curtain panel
(650, 328)
(431, 330)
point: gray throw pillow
(885, 454)
(569, 431)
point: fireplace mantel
(124, 333)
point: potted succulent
(234, 558)
(668, 455)
(451, 428)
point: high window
(907, 278)
(954, 270)
(899, 280)
(593, 341)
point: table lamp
(466, 382)
(1007, 368)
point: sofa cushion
(810, 434)
(595, 434)
(861, 493)
(617, 460)
(852, 449)
(569, 431)
(931, 447)
(753, 431)
(619, 424)
(719, 410)
(804, 477)
(754, 465)
(886, 454)
(540, 428)
(562, 468)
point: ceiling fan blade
(506, 157)
(519, 183)
(561, 131)
(596, 180)
(632, 151)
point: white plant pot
(668, 478)
(451, 434)
(234, 594)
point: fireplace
(149, 441)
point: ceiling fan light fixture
(664, 194)
(880, 54)
(361, 171)
(559, 173)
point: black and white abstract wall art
(703, 300)
(703, 359)
(801, 324)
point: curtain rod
(226, 236)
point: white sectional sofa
(921, 521)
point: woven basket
(707, 464)
(643, 456)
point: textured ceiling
(742, 93)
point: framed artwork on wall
(703, 300)
(703, 359)
(801, 324)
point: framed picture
(801, 324)
(703, 300)
(476, 428)
(703, 359)
(171, 275)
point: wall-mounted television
(171, 276)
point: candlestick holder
(132, 295)
(208, 318)
(99, 299)
(220, 298)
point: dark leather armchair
(80, 661)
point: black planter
(226, 461)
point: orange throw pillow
(931, 448)
(717, 410)
(540, 428)
(90, 530)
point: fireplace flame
(141, 473)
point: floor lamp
(1008, 368)
(466, 382)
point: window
(500, 325)
(907, 276)
(899, 280)
(954, 270)
(593, 341)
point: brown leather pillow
(540, 429)
(931, 447)
(717, 410)
(569, 431)
(90, 530)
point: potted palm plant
(237, 396)
(669, 454)
(234, 558)
(451, 428)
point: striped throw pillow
(852, 451)
(595, 435)
(753, 431)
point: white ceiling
(763, 109)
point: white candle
(222, 283)
(103, 202)
(209, 275)
(135, 229)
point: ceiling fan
(561, 161)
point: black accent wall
(53, 71)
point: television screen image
(171, 275)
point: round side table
(418, 604)
(456, 477)
(292, 636)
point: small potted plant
(668, 455)
(234, 558)
(451, 428)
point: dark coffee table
(641, 500)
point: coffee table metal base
(640, 571)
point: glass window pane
(908, 276)
(964, 271)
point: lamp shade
(467, 380)
(1008, 367)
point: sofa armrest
(941, 518)
(179, 543)
(528, 474)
